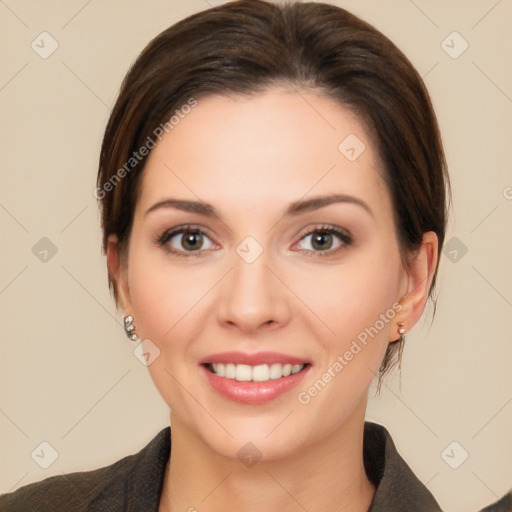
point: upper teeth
(259, 373)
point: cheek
(358, 305)
(352, 296)
(170, 306)
(159, 293)
(164, 305)
(166, 301)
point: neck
(325, 477)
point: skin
(250, 158)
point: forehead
(281, 144)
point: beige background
(68, 375)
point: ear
(118, 271)
(420, 273)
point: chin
(255, 444)
(272, 434)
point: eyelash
(345, 237)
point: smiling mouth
(257, 373)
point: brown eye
(326, 240)
(185, 240)
(322, 241)
(191, 240)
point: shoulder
(73, 491)
(503, 505)
(134, 479)
(397, 487)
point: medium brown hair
(246, 46)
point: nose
(253, 297)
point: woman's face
(273, 280)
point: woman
(273, 194)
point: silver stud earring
(129, 328)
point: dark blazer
(503, 505)
(134, 483)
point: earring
(401, 331)
(129, 328)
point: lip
(253, 393)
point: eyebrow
(294, 209)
